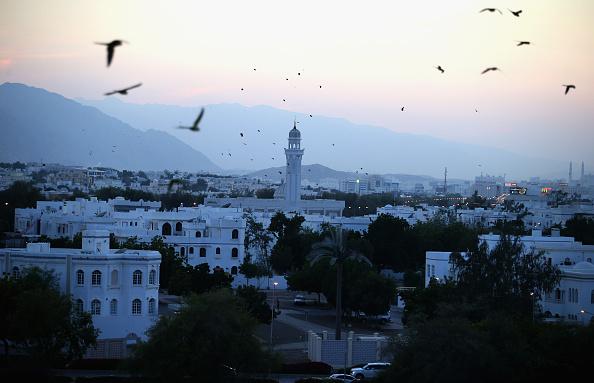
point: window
(203, 252)
(182, 251)
(234, 270)
(198, 234)
(79, 306)
(218, 251)
(178, 227)
(235, 234)
(113, 307)
(592, 297)
(137, 277)
(96, 307)
(16, 273)
(166, 229)
(589, 260)
(234, 252)
(152, 277)
(191, 250)
(136, 307)
(80, 277)
(114, 277)
(151, 306)
(96, 278)
(428, 271)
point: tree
(334, 248)
(581, 228)
(19, 195)
(289, 251)
(254, 302)
(390, 239)
(198, 279)
(36, 318)
(266, 193)
(257, 239)
(200, 185)
(212, 330)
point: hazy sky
(371, 58)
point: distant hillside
(41, 126)
(334, 142)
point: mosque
(287, 197)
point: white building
(572, 300)
(120, 288)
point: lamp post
(586, 312)
(274, 284)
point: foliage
(290, 249)
(38, 319)
(258, 239)
(390, 239)
(19, 195)
(198, 279)
(358, 205)
(265, 193)
(211, 331)
(581, 228)
(254, 302)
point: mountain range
(41, 126)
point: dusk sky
(370, 58)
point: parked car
(345, 378)
(383, 318)
(370, 370)
(301, 300)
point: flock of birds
(111, 47)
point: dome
(294, 133)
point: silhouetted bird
(332, 144)
(520, 43)
(320, 87)
(175, 181)
(476, 110)
(516, 13)
(287, 79)
(298, 73)
(241, 88)
(194, 128)
(494, 68)
(310, 115)
(229, 154)
(283, 99)
(439, 68)
(402, 109)
(124, 91)
(274, 143)
(258, 130)
(111, 49)
(491, 10)
(273, 158)
(568, 87)
(241, 134)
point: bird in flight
(439, 68)
(310, 115)
(258, 130)
(194, 127)
(279, 172)
(111, 46)
(175, 181)
(283, 99)
(520, 43)
(493, 68)
(568, 87)
(402, 109)
(491, 10)
(241, 134)
(516, 13)
(124, 91)
(241, 88)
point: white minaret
(294, 153)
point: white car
(345, 378)
(370, 370)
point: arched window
(152, 277)
(80, 277)
(16, 273)
(191, 250)
(113, 307)
(203, 252)
(182, 251)
(114, 277)
(151, 306)
(234, 252)
(218, 250)
(137, 277)
(136, 307)
(95, 307)
(235, 234)
(166, 229)
(96, 278)
(79, 306)
(198, 234)
(178, 227)
(234, 270)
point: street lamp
(274, 284)
(582, 311)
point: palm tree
(334, 247)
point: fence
(348, 352)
